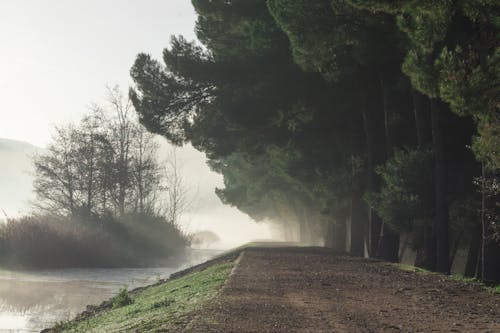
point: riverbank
(166, 305)
(31, 300)
(298, 290)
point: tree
(204, 238)
(106, 165)
(350, 44)
(298, 104)
(406, 196)
(176, 198)
(146, 172)
(453, 47)
(56, 178)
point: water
(33, 300)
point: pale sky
(57, 56)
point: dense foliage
(347, 122)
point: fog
(32, 300)
(57, 59)
(15, 177)
(205, 211)
(60, 57)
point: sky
(57, 57)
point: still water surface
(33, 300)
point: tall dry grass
(46, 241)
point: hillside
(15, 175)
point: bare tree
(108, 164)
(55, 183)
(122, 128)
(146, 172)
(177, 193)
(88, 149)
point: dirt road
(313, 290)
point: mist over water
(43, 58)
(33, 300)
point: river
(33, 300)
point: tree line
(107, 165)
(103, 197)
(372, 125)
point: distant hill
(15, 176)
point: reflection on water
(15, 322)
(31, 301)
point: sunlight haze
(347, 177)
(57, 58)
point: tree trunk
(287, 231)
(404, 246)
(491, 261)
(473, 254)
(359, 219)
(491, 246)
(330, 234)
(426, 256)
(418, 112)
(90, 182)
(387, 116)
(441, 218)
(373, 221)
(339, 243)
(360, 179)
(456, 244)
(386, 245)
(302, 231)
(376, 234)
(70, 185)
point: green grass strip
(454, 277)
(157, 309)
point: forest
(367, 126)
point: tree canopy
(345, 122)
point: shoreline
(95, 310)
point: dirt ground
(313, 290)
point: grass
(454, 277)
(159, 308)
(122, 299)
(41, 241)
(472, 280)
(495, 289)
(461, 278)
